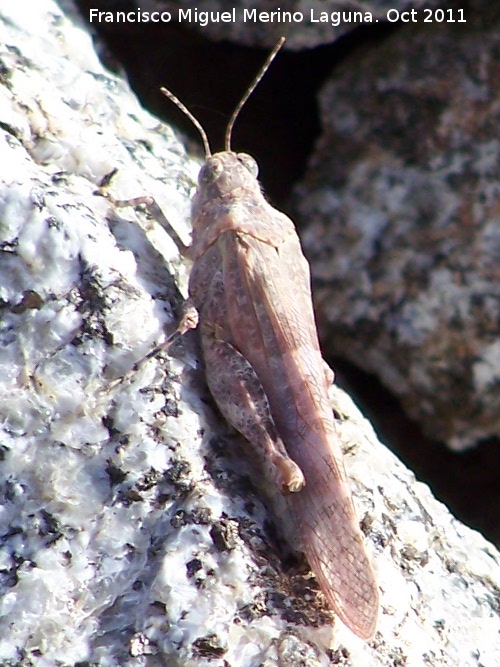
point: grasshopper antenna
(249, 91)
(173, 98)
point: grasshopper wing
(276, 332)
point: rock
(129, 535)
(401, 204)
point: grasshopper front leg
(189, 315)
(243, 402)
(188, 321)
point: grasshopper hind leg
(243, 402)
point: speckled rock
(305, 24)
(401, 202)
(128, 536)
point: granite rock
(401, 204)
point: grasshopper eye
(210, 171)
(249, 163)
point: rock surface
(401, 201)
(128, 536)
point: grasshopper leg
(243, 402)
(154, 211)
(189, 320)
(189, 317)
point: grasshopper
(250, 295)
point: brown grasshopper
(250, 286)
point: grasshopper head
(225, 173)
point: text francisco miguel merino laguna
(203, 18)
